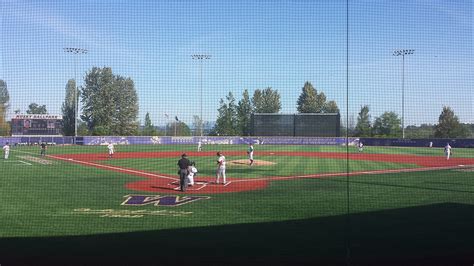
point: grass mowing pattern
(419, 213)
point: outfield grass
(300, 217)
(457, 152)
(284, 166)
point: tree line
(389, 125)
(110, 107)
(234, 118)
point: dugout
(296, 125)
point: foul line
(16, 162)
(112, 168)
(375, 172)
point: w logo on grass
(157, 200)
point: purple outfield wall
(211, 140)
(144, 140)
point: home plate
(461, 165)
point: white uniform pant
(7, 153)
(448, 154)
(220, 173)
(191, 179)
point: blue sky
(254, 45)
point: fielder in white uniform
(220, 168)
(250, 153)
(192, 170)
(361, 146)
(111, 150)
(6, 151)
(447, 151)
(199, 145)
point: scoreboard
(36, 125)
(296, 125)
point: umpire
(183, 164)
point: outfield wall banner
(13, 141)
(208, 140)
(212, 140)
(10, 140)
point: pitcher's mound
(246, 162)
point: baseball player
(192, 173)
(360, 146)
(43, 149)
(220, 168)
(250, 154)
(6, 151)
(447, 151)
(110, 147)
(199, 145)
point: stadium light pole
(402, 53)
(75, 51)
(201, 58)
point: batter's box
(198, 185)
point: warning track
(159, 183)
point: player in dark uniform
(43, 149)
(183, 164)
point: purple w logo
(157, 200)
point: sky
(345, 51)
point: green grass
(301, 217)
(284, 166)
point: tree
(68, 109)
(110, 103)
(149, 128)
(387, 125)
(448, 125)
(331, 107)
(244, 114)
(266, 101)
(179, 128)
(82, 129)
(36, 109)
(4, 105)
(307, 102)
(419, 132)
(310, 101)
(363, 127)
(227, 117)
(198, 125)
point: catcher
(192, 173)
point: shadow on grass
(440, 234)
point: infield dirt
(246, 162)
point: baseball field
(298, 204)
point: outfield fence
(157, 140)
